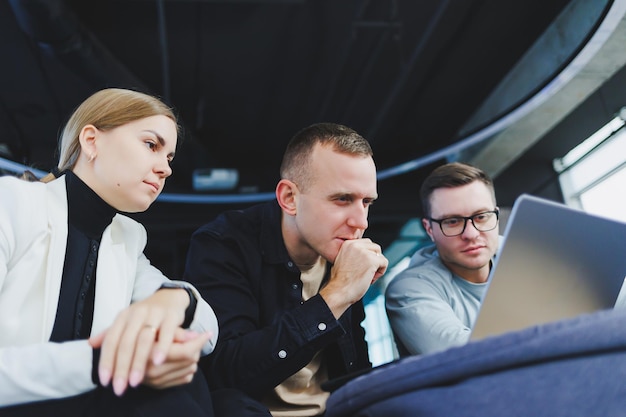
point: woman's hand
(142, 335)
(181, 362)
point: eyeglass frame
(495, 211)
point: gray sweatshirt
(430, 308)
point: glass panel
(607, 198)
(600, 162)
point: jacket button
(282, 354)
(321, 326)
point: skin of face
(131, 162)
(332, 209)
(469, 254)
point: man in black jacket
(286, 278)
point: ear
(286, 192)
(87, 138)
(428, 228)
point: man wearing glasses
(433, 304)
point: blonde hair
(106, 110)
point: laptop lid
(556, 262)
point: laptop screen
(556, 262)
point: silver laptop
(556, 262)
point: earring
(91, 158)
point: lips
(153, 185)
(473, 249)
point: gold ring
(152, 328)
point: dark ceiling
(244, 76)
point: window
(593, 175)
(380, 342)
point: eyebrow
(354, 196)
(482, 210)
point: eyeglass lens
(483, 222)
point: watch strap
(190, 311)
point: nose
(163, 168)
(358, 217)
(470, 231)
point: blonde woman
(87, 325)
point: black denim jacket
(241, 267)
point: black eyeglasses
(454, 226)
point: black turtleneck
(88, 216)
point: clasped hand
(358, 264)
(145, 344)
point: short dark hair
(343, 139)
(454, 174)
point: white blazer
(33, 238)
